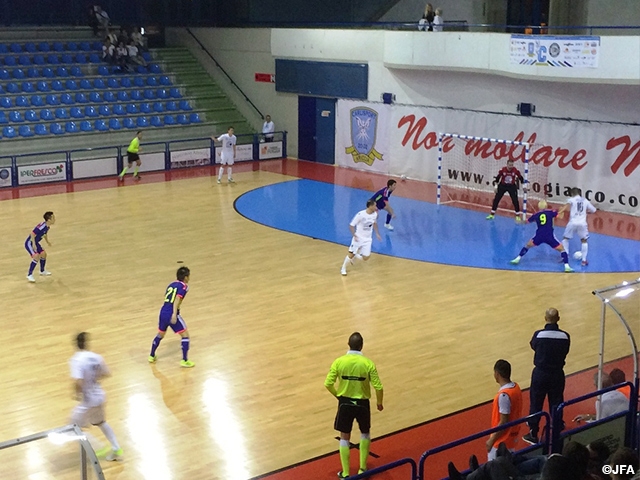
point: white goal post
(469, 164)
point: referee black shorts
(350, 409)
(132, 157)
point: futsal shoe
(584, 263)
(187, 364)
(231, 180)
(490, 216)
(515, 261)
(343, 272)
(389, 227)
(137, 177)
(114, 456)
(531, 439)
(152, 358)
(120, 178)
(219, 181)
(361, 471)
(568, 269)
(519, 219)
(45, 273)
(342, 475)
(33, 280)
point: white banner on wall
(191, 158)
(96, 167)
(270, 150)
(5, 177)
(150, 162)
(243, 153)
(44, 172)
(555, 51)
(602, 159)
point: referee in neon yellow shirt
(355, 374)
(132, 156)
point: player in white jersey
(577, 224)
(362, 227)
(227, 154)
(87, 368)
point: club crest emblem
(364, 127)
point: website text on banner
(602, 159)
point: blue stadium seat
(28, 87)
(155, 68)
(37, 101)
(31, 116)
(53, 100)
(90, 111)
(169, 120)
(81, 98)
(62, 113)
(136, 95)
(147, 56)
(162, 93)
(109, 97)
(158, 107)
(76, 72)
(4, 74)
(76, 112)
(118, 109)
(58, 46)
(57, 85)
(5, 102)
(155, 121)
(103, 70)
(81, 58)
(101, 126)
(30, 47)
(71, 127)
(129, 123)
(104, 110)
(66, 58)
(8, 132)
(184, 105)
(132, 109)
(18, 73)
(71, 85)
(152, 81)
(125, 82)
(175, 93)
(38, 60)
(62, 72)
(3, 48)
(33, 72)
(56, 129)
(25, 131)
(114, 124)
(141, 69)
(113, 83)
(47, 72)
(12, 87)
(142, 122)
(95, 58)
(15, 116)
(172, 106)
(10, 61)
(46, 114)
(85, 84)
(41, 129)
(149, 94)
(44, 46)
(22, 101)
(86, 126)
(85, 46)
(139, 81)
(24, 60)
(67, 99)
(164, 80)
(72, 46)
(94, 97)
(53, 59)
(3, 117)
(146, 108)
(182, 119)
(15, 48)
(123, 96)
(96, 46)
(99, 83)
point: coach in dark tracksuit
(551, 346)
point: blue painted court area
(424, 231)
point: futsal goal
(468, 165)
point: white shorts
(226, 159)
(83, 416)
(579, 229)
(363, 247)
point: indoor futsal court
(268, 311)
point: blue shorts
(550, 240)
(29, 248)
(380, 205)
(165, 322)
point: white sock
(585, 249)
(220, 172)
(565, 244)
(108, 432)
(346, 262)
(228, 172)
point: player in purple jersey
(33, 247)
(544, 234)
(381, 197)
(170, 317)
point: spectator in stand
(618, 377)
(112, 37)
(92, 20)
(122, 56)
(268, 128)
(138, 39)
(579, 455)
(134, 56)
(559, 467)
(625, 462)
(123, 36)
(611, 402)
(598, 455)
(426, 22)
(103, 18)
(108, 52)
(438, 23)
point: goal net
(468, 165)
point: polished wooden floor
(267, 310)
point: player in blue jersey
(32, 244)
(544, 234)
(170, 317)
(381, 197)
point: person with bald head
(551, 346)
(544, 234)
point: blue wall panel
(323, 79)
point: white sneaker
(219, 181)
(388, 226)
(114, 456)
(45, 273)
(344, 272)
(31, 279)
(231, 180)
